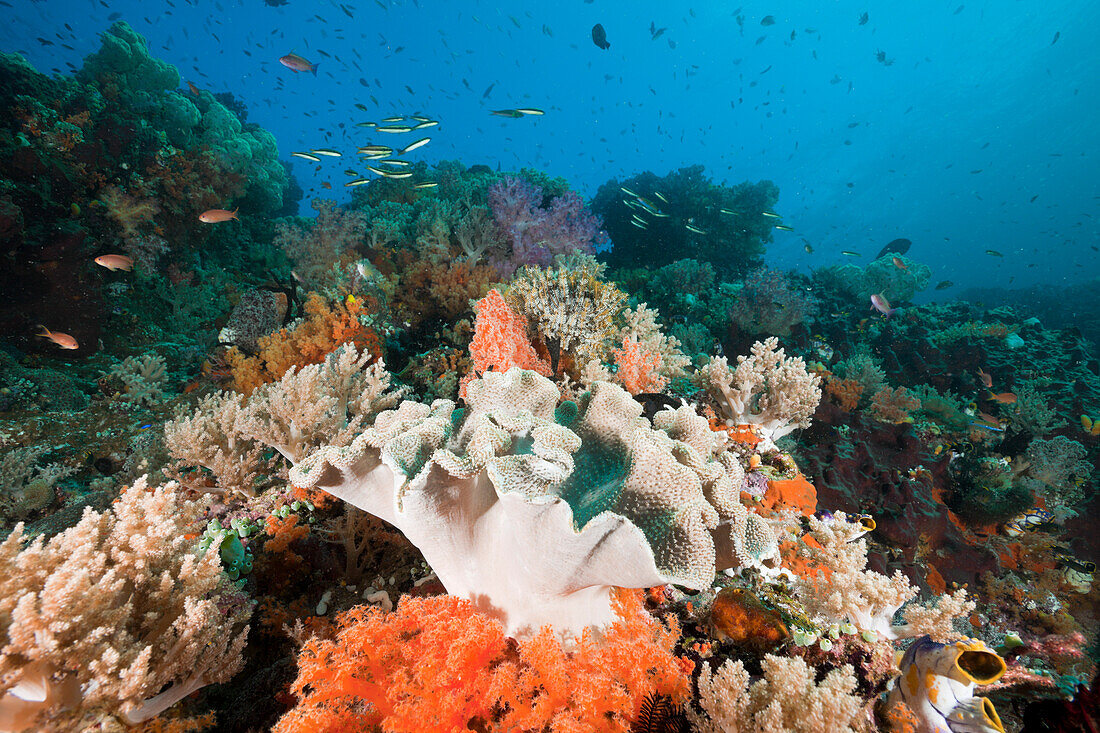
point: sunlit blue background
(978, 113)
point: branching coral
(767, 389)
(116, 615)
(437, 664)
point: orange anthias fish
(296, 63)
(986, 417)
(898, 263)
(1005, 398)
(115, 262)
(63, 340)
(194, 89)
(987, 381)
(216, 216)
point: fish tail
(313, 68)
(45, 331)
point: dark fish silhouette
(864, 18)
(599, 37)
(767, 20)
(944, 285)
(653, 402)
(898, 247)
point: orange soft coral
(432, 290)
(893, 405)
(325, 328)
(637, 368)
(846, 392)
(436, 664)
(500, 339)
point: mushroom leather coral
(436, 664)
(534, 518)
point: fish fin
(314, 68)
(235, 213)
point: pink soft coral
(500, 339)
(637, 368)
(536, 233)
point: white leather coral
(535, 510)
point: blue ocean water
(962, 126)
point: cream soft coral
(115, 617)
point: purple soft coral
(536, 233)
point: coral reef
(456, 538)
(687, 197)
